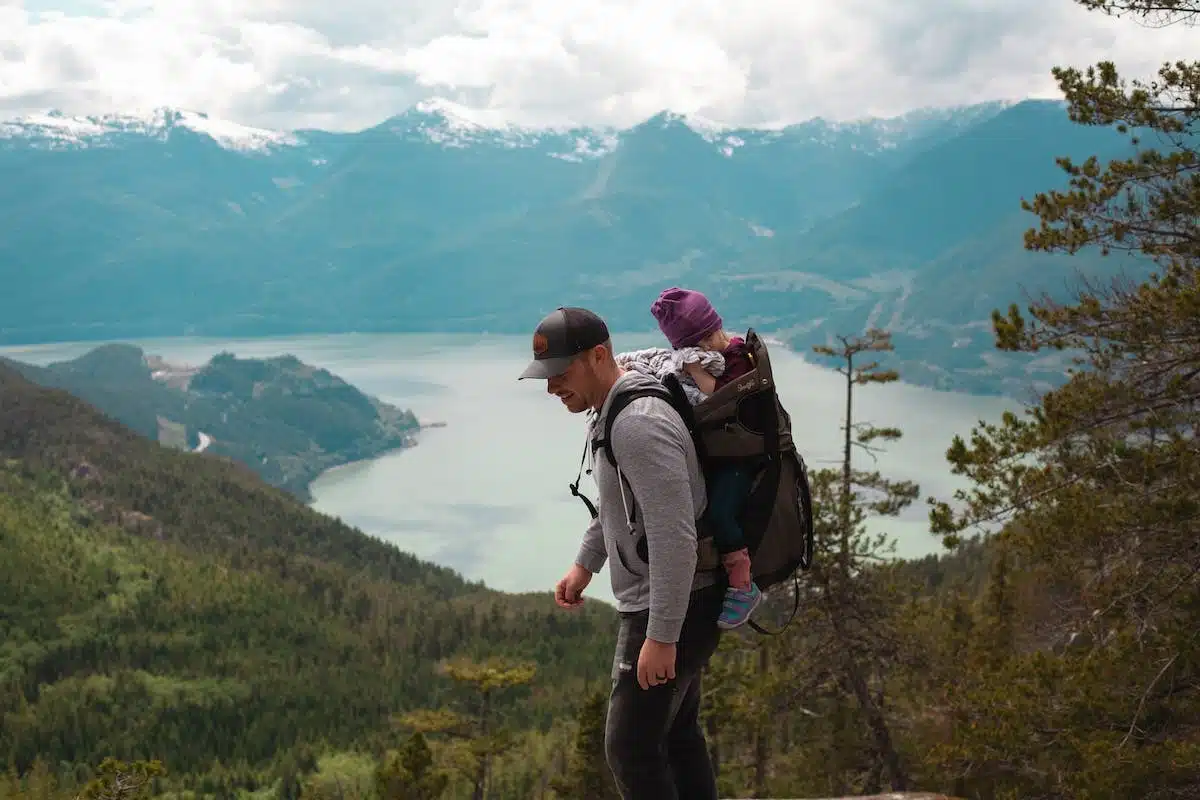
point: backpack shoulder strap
(618, 404)
(671, 391)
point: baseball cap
(563, 334)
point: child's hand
(705, 382)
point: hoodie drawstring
(624, 503)
(588, 459)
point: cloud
(352, 63)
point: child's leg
(727, 490)
(726, 495)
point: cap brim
(545, 368)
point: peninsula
(286, 420)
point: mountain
(936, 245)
(285, 420)
(165, 605)
(174, 223)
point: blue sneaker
(739, 605)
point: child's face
(714, 341)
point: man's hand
(569, 591)
(656, 663)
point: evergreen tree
(409, 774)
(479, 735)
(588, 774)
(1097, 486)
(856, 605)
(118, 780)
(490, 738)
(807, 712)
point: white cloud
(350, 63)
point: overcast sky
(347, 64)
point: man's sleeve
(592, 554)
(650, 451)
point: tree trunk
(763, 729)
(876, 723)
(481, 770)
(874, 778)
(847, 486)
(480, 778)
(714, 749)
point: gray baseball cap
(562, 335)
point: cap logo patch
(540, 344)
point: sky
(348, 64)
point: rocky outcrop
(141, 524)
(886, 796)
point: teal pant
(728, 489)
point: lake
(488, 493)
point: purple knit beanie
(685, 316)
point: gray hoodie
(656, 457)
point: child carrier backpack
(743, 421)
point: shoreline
(421, 426)
(971, 382)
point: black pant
(653, 739)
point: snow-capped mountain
(441, 218)
(55, 130)
(445, 123)
(441, 122)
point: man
(646, 533)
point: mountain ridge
(443, 122)
(797, 234)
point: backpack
(744, 420)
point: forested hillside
(160, 604)
(172, 607)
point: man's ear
(602, 354)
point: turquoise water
(487, 494)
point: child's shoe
(739, 605)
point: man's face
(576, 386)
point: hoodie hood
(630, 380)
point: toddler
(688, 319)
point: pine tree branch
(1142, 703)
